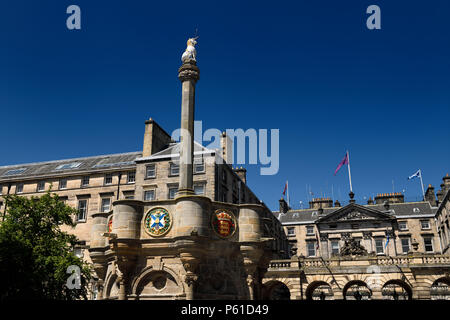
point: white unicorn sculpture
(190, 53)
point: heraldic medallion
(157, 222)
(223, 223)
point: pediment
(355, 212)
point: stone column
(188, 74)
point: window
(174, 169)
(82, 210)
(108, 178)
(149, 195)
(172, 192)
(425, 224)
(128, 195)
(150, 171)
(428, 243)
(85, 181)
(78, 252)
(19, 188)
(199, 189)
(131, 178)
(309, 230)
(41, 186)
(62, 184)
(405, 245)
(291, 231)
(199, 166)
(311, 248)
(106, 205)
(335, 247)
(402, 225)
(379, 248)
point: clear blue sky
(310, 68)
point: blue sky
(310, 68)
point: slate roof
(73, 166)
(173, 150)
(397, 210)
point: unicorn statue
(190, 53)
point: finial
(190, 54)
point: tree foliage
(35, 253)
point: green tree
(35, 253)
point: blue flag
(417, 174)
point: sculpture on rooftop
(190, 53)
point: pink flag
(343, 162)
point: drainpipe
(6, 201)
(118, 185)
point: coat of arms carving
(223, 223)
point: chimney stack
(226, 144)
(393, 197)
(430, 196)
(320, 203)
(155, 138)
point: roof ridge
(71, 159)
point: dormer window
(416, 210)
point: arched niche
(396, 290)
(319, 290)
(357, 290)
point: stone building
(385, 249)
(174, 221)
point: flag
(343, 162)
(285, 188)
(387, 241)
(417, 174)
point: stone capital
(189, 71)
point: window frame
(173, 165)
(425, 238)
(106, 178)
(199, 185)
(40, 186)
(60, 185)
(172, 188)
(85, 210)
(308, 248)
(382, 246)
(422, 227)
(131, 174)
(403, 245)
(332, 247)
(289, 233)
(307, 230)
(147, 170)
(21, 184)
(101, 204)
(83, 180)
(403, 222)
(150, 190)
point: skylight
(67, 166)
(14, 172)
(106, 165)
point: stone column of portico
(188, 74)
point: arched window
(357, 290)
(319, 290)
(440, 290)
(396, 290)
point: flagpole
(349, 174)
(421, 182)
(287, 184)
